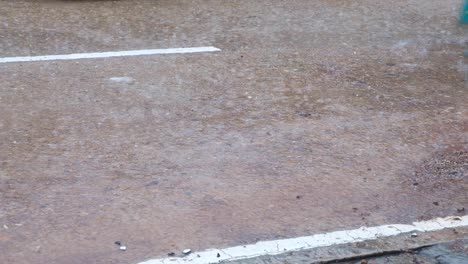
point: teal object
(464, 16)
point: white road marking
(276, 247)
(110, 54)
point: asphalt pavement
(313, 116)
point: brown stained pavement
(315, 116)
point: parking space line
(111, 54)
(282, 246)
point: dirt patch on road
(443, 169)
(439, 182)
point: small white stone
(124, 80)
(123, 248)
(414, 234)
(187, 251)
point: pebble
(414, 234)
(37, 249)
(187, 251)
(123, 248)
(124, 80)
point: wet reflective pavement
(315, 116)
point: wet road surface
(315, 116)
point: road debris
(37, 249)
(123, 80)
(152, 183)
(187, 251)
(171, 254)
(361, 244)
(414, 234)
(121, 246)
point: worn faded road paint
(275, 247)
(97, 55)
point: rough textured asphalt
(315, 116)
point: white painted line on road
(110, 54)
(276, 247)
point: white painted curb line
(110, 54)
(276, 247)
